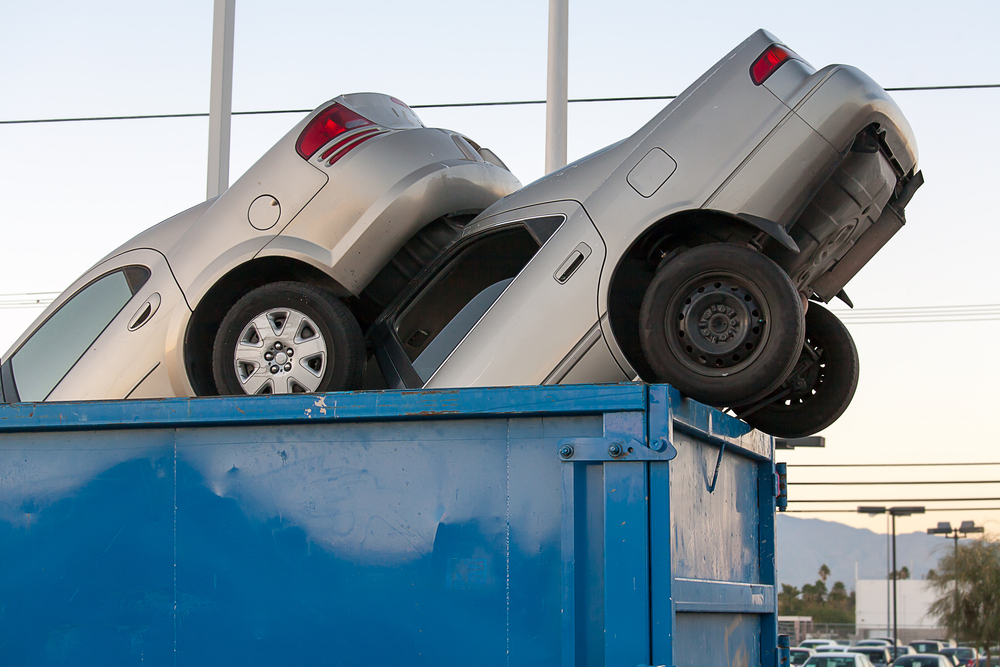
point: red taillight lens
(768, 62)
(329, 124)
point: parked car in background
(897, 651)
(833, 648)
(799, 654)
(814, 643)
(927, 646)
(966, 655)
(873, 641)
(922, 660)
(839, 660)
(880, 656)
(267, 288)
(684, 253)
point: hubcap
(716, 324)
(280, 351)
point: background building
(873, 610)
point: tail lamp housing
(329, 124)
(768, 62)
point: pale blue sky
(71, 192)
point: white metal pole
(220, 107)
(557, 92)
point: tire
(251, 351)
(825, 387)
(722, 323)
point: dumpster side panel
(426, 542)
(572, 526)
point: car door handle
(145, 312)
(572, 263)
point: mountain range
(803, 545)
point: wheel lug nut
(274, 369)
(289, 351)
(268, 356)
(278, 345)
(288, 367)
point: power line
(966, 481)
(887, 465)
(449, 105)
(929, 509)
(894, 500)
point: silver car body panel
(100, 373)
(537, 302)
(346, 220)
(723, 146)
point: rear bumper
(846, 101)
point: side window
(52, 350)
(446, 309)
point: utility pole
(557, 88)
(893, 513)
(220, 108)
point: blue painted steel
(335, 407)
(784, 652)
(420, 528)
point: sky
(71, 192)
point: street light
(944, 528)
(893, 512)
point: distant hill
(805, 544)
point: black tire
(722, 323)
(282, 315)
(819, 391)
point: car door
(107, 340)
(502, 311)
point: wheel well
(200, 337)
(656, 245)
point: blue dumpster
(582, 525)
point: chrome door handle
(145, 312)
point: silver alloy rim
(281, 351)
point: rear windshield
(829, 660)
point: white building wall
(913, 596)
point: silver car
(265, 288)
(686, 253)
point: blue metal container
(578, 526)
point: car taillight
(332, 122)
(768, 62)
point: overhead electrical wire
(929, 509)
(451, 105)
(887, 465)
(892, 500)
(965, 481)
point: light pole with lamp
(944, 528)
(894, 574)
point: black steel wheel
(722, 323)
(287, 338)
(820, 387)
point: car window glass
(455, 298)
(438, 349)
(56, 345)
(831, 661)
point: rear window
(829, 660)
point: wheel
(722, 323)
(286, 338)
(821, 386)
